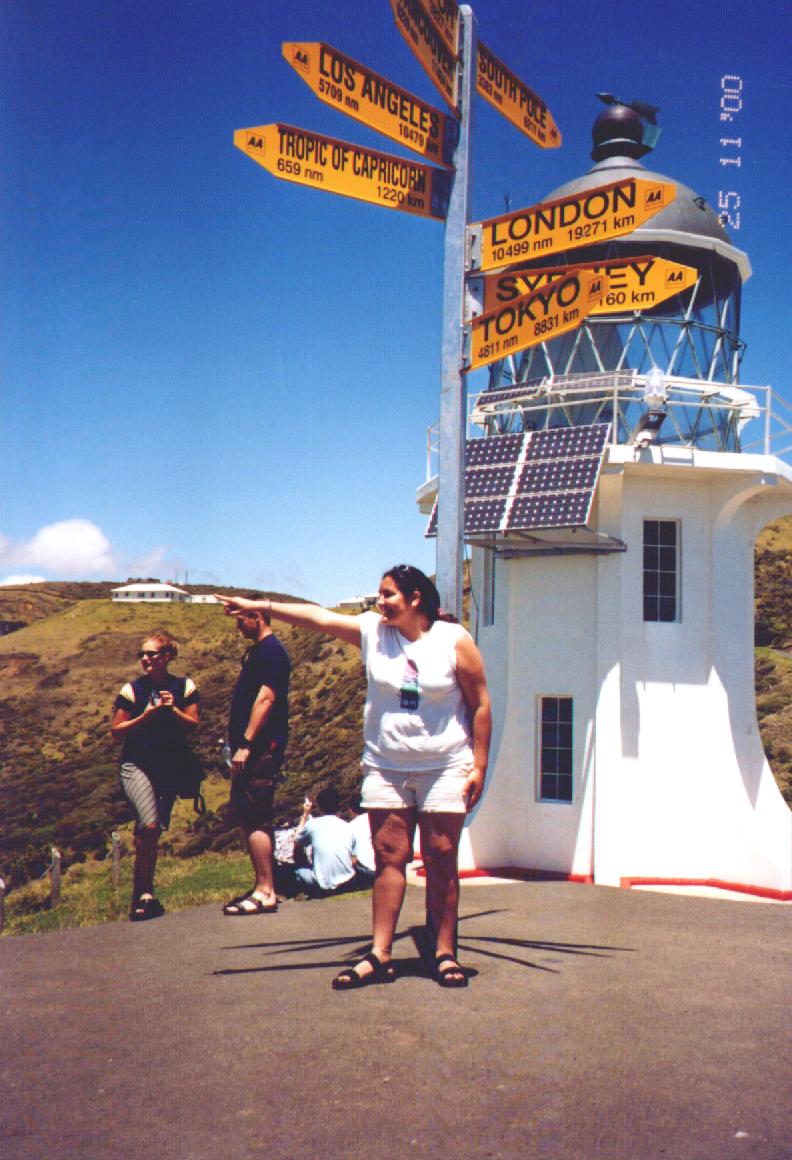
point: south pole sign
(580, 219)
(340, 167)
(519, 104)
(534, 318)
(350, 87)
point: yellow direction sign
(355, 90)
(340, 167)
(445, 17)
(510, 96)
(580, 219)
(419, 30)
(630, 283)
(534, 318)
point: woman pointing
(426, 732)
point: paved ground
(598, 1024)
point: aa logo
(595, 290)
(300, 60)
(654, 198)
(256, 143)
(675, 276)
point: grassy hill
(59, 676)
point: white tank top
(415, 716)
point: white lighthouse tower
(612, 504)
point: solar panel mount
(531, 481)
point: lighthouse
(614, 490)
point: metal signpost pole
(453, 397)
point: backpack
(187, 782)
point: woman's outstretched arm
(335, 624)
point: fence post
(55, 877)
(2, 904)
(115, 845)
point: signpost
(515, 100)
(532, 318)
(630, 283)
(363, 94)
(514, 307)
(580, 219)
(453, 382)
(340, 167)
(421, 33)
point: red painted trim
(519, 873)
(713, 883)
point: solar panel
(568, 510)
(565, 442)
(484, 482)
(431, 528)
(493, 449)
(484, 515)
(532, 480)
(564, 475)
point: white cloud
(68, 549)
(9, 580)
(149, 564)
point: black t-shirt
(265, 663)
(158, 746)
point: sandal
(453, 975)
(146, 908)
(246, 905)
(350, 978)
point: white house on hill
(147, 592)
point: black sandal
(349, 979)
(247, 905)
(453, 975)
(146, 908)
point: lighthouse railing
(561, 402)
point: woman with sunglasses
(426, 729)
(153, 717)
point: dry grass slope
(59, 676)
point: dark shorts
(253, 790)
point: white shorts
(431, 791)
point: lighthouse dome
(689, 220)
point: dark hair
(327, 799)
(408, 580)
(265, 616)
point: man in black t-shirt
(257, 733)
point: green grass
(89, 898)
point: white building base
(671, 784)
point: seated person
(331, 842)
(363, 849)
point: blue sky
(208, 371)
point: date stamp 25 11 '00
(731, 103)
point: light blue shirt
(332, 842)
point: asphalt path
(598, 1023)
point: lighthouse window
(660, 570)
(555, 749)
(488, 588)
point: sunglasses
(147, 652)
